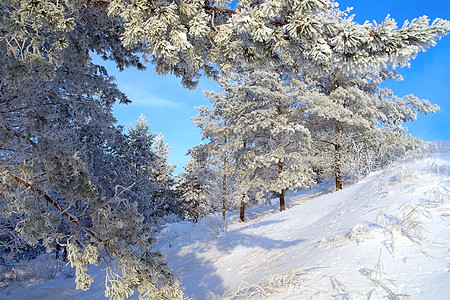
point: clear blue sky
(168, 107)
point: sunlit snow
(386, 236)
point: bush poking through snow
(438, 169)
(272, 285)
(216, 225)
(359, 233)
(408, 224)
(340, 288)
(381, 280)
(438, 195)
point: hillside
(385, 236)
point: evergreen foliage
(69, 177)
(260, 118)
(151, 183)
(192, 188)
(351, 113)
(64, 175)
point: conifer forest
(302, 105)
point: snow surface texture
(386, 236)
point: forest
(301, 101)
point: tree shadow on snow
(202, 265)
(233, 239)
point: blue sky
(169, 108)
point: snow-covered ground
(387, 236)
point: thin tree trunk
(337, 155)
(337, 167)
(281, 195)
(282, 206)
(224, 188)
(64, 257)
(242, 212)
(244, 166)
(58, 248)
(280, 163)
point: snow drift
(386, 236)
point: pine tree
(166, 196)
(351, 108)
(60, 150)
(152, 184)
(192, 186)
(161, 169)
(261, 120)
(62, 178)
(141, 141)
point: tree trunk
(338, 130)
(282, 206)
(242, 212)
(281, 195)
(244, 166)
(280, 163)
(58, 248)
(224, 188)
(64, 258)
(337, 167)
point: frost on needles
(69, 176)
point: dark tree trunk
(242, 212)
(280, 170)
(337, 155)
(224, 188)
(280, 163)
(64, 254)
(58, 248)
(282, 206)
(244, 165)
(337, 167)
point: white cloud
(151, 101)
(142, 98)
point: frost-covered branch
(49, 199)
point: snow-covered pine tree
(192, 196)
(261, 118)
(190, 37)
(215, 130)
(196, 184)
(162, 174)
(354, 106)
(61, 178)
(43, 42)
(152, 185)
(348, 64)
(162, 170)
(354, 114)
(141, 153)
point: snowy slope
(386, 236)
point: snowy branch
(55, 205)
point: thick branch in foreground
(71, 218)
(98, 2)
(220, 10)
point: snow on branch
(55, 205)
